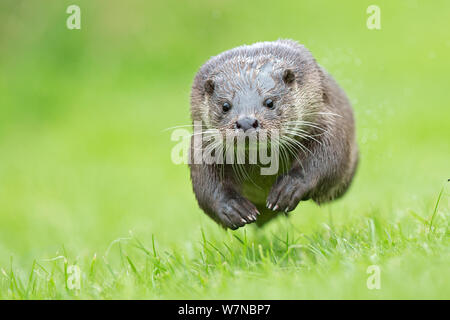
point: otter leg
(235, 211)
(322, 175)
(289, 189)
(219, 199)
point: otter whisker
(323, 113)
(295, 134)
(299, 144)
(175, 127)
(206, 132)
(284, 157)
(292, 151)
(308, 124)
(238, 170)
(305, 137)
(307, 133)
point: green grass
(86, 178)
(283, 263)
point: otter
(272, 86)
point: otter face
(244, 98)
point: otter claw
(236, 212)
(287, 192)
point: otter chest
(255, 187)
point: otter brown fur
(276, 86)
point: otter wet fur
(273, 86)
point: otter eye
(226, 107)
(268, 103)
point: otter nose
(247, 123)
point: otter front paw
(286, 193)
(235, 212)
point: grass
(329, 262)
(86, 181)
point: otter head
(268, 86)
(249, 99)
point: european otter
(275, 86)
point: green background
(86, 176)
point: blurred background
(84, 157)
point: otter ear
(209, 86)
(288, 76)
